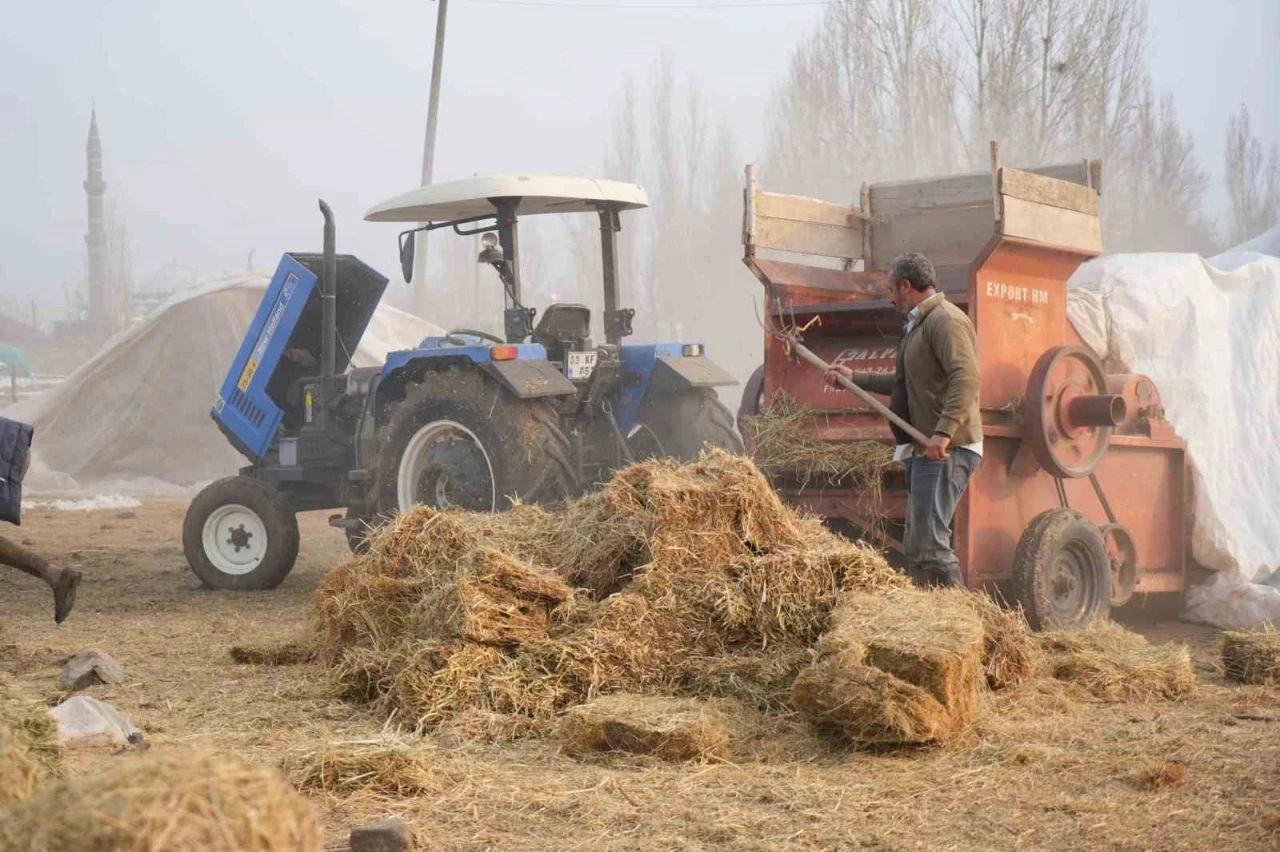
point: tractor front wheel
(458, 441)
(681, 425)
(239, 536)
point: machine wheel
(752, 399)
(1061, 573)
(238, 535)
(679, 425)
(458, 441)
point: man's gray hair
(915, 269)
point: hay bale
(897, 667)
(762, 681)
(496, 600)
(1099, 637)
(668, 728)
(1011, 652)
(931, 640)
(1252, 657)
(1147, 674)
(842, 696)
(1113, 664)
(170, 802)
(385, 767)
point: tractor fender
(528, 376)
(654, 370)
(677, 374)
(530, 379)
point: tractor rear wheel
(458, 441)
(1061, 573)
(238, 535)
(681, 425)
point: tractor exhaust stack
(328, 313)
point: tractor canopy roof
(470, 198)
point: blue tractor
(469, 420)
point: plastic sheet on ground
(1207, 332)
(86, 722)
(135, 419)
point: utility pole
(420, 300)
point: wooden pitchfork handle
(808, 357)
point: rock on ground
(87, 668)
(387, 835)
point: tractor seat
(564, 327)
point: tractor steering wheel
(452, 336)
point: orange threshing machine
(1078, 503)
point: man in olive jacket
(937, 379)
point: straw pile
(668, 728)
(166, 803)
(1252, 657)
(633, 589)
(780, 446)
(896, 668)
(1115, 665)
(388, 768)
(29, 751)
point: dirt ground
(1043, 771)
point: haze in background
(222, 123)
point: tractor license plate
(580, 365)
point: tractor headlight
(488, 239)
(692, 350)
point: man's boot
(64, 587)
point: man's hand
(937, 449)
(838, 370)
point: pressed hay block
(1251, 657)
(840, 695)
(669, 728)
(902, 666)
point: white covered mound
(135, 418)
(1208, 333)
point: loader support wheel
(680, 425)
(239, 536)
(459, 441)
(1061, 573)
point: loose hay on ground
(384, 767)
(1114, 664)
(30, 754)
(668, 728)
(1252, 657)
(171, 802)
(293, 652)
(780, 446)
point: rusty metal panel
(1144, 484)
(1017, 301)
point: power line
(739, 4)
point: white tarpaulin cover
(135, 418)
(1207, 332)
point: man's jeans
(933, 490)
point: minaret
(95, 187)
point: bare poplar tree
(1253, 181)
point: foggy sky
(223, 123)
